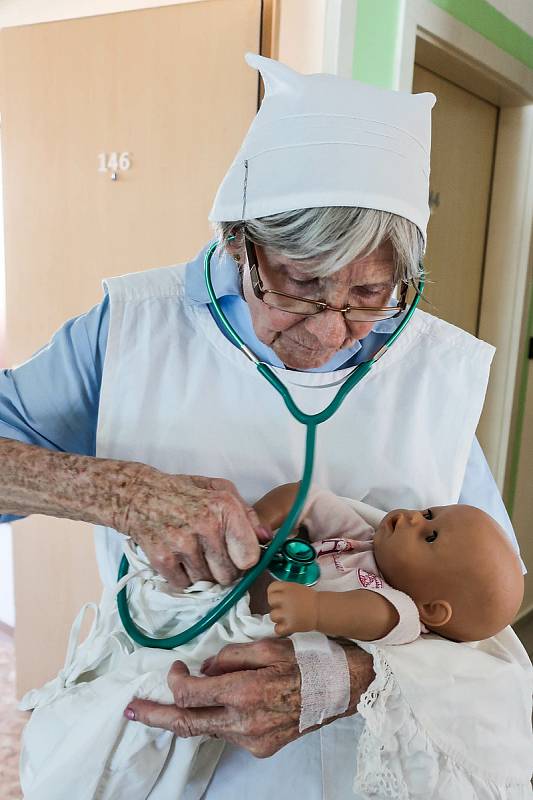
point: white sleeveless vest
(177, 395)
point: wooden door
(170, 88)
(462, 150)
(464, 129)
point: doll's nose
(412, 517)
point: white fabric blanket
(442, 720)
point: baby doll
(447, 569)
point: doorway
(464, 131)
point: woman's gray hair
(331, 237)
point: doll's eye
(432, 537)
(428, 514)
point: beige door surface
(169, 86)
(463, 138)
(464, 129)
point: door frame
(462, 55)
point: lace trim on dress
(397, 759)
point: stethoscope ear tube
(310, 421)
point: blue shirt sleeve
(52, 399)
(480, 490)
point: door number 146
(113, 162)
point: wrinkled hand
(294, 607)
(191, 528)
(250, 696)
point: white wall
(7, 601)
(27, 12)
(317, 35)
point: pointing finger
(182, 722)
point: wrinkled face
(308, 342)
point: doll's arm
(273, 508)
(360, 614)
(324, 515)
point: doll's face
(414, 546)
(456, 563)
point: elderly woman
(322, 213)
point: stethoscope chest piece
(295, 562)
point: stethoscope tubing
(311, 421)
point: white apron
(177, 395)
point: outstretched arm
(361, 614)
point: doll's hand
(294, 607)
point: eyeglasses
(306, 307)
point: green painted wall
(378, 34)
(377, 40)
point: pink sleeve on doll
(409, 626)
(327, 516)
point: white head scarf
(320, 140)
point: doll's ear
(435, 613)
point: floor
(12, 721)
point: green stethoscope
(292, 560)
